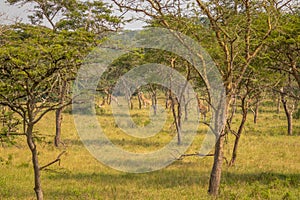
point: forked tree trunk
(34, 153)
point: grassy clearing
(268, 165)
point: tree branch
(55, 161)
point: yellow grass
(268, 164)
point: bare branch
(55, 161)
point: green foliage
(33, 60)
(92, 16)
(296, 114)
(9, 126)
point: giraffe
(111, 97)
(144, 99)
(202, 109)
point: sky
(13, 12)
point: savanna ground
(268, 164)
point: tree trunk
(256, 112)
(108, 98)
(153, 99)
(177, 118)
(186, 106)
(34, 153)
(234, 151)
(239, 133)
(179, 115)
(215, 176)
(140, 100)
(167, 101)
(58, 120)
(154, 102)
(290, 124)
(278, 105)
(288, 113)
(130, 103)
(220, 117)
(233, 106)
(58, 113)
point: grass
(268, 164)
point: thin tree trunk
(288, 113)
(186, 113)
(290, 124)
(278, 105)
(177, 118)
(58, 120)
(215, 176)
(59, 112)
(154, 102)
(167, 99)
(140, 100)
(220, 116)
(233, 106)
(256, 112)
(234, 151)
(179, 115)
(108, 98)
(239, 133)
(153, 99)
(32, 147)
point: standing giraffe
(202, 109)
(110, 97)
(144, 99)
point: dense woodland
(255, 45)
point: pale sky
(13, 12)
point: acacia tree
(236, 41)
(283, 57)
(71, 15)
(28, 77)
(30, 65)
(285, 45)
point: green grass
(268, 164)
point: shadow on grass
(265, 178)
(173, 178)
(159, 179)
